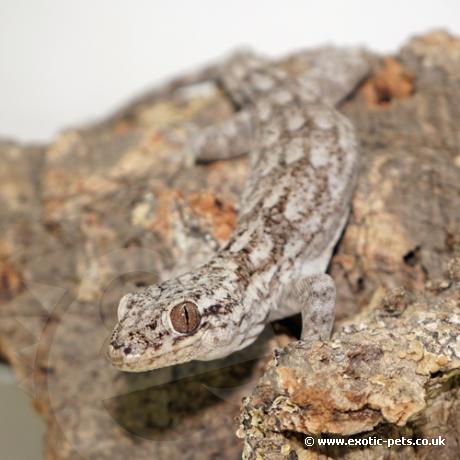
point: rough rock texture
(111, 207)
(392, 371)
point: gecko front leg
(222, 141)
(314, 297)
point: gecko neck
(253, 280)
(250, 295)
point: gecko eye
(185, 317)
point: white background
(63, 62)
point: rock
(381, 376)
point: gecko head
(186, 318)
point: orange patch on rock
(317, 399)
(220, 215)
(391, 82)
(164, 211)
(122, 127)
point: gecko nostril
(127, 350)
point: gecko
(304, 158)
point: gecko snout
(123, 355)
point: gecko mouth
(126, 358)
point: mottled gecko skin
(292, 211)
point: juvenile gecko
(293, 208)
